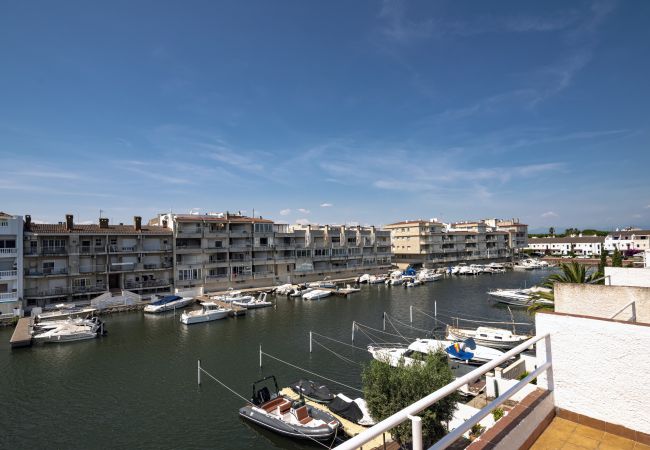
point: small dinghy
(284, 416)
(312, 391)
(354, 410)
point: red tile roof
(56, 228)
(224, 219)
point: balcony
(88, 289)
(146, 284)
(160, 248)
(54, 251)
(8, 252)
(239, 233)
(122, 249)
(56, 292)
(8, 297)
(46, 272)
(217, 277)
(189, 233)
(92, 269)
(122, 267)
(259, 275)
(8, 274)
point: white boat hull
(189, 318)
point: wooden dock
(22, 336)
(350, 428)
(236, 310)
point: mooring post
(384, 320)
(310, 342)
(435, 309)
(198, 372)
(411, 310)
(353, 331)
(260, 356)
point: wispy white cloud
(549, 214)
(285, 212)
(326, 205)
(304, 211)
(303, 221)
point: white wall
(627, 276)
(602, 301)
(600, 368)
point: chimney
(69, 222)
(137, 223)
(28, 222)
(164, 223)
(103, 222)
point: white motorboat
(168, 303)
(317, 294)
(518, 297)
(300, 292)
(64, 310)
(376, 279)
(254, 303)
(284, 289)
(427, 276)
(322, 284)
(234, 296)
(69, 331)
(348, 290)
(487, 336)
(209, 311)
(417, 351)
(365, 278)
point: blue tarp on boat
(166, 299)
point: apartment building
(76, 262)
(431, 243)
(580, 245)
(11, 264)
(628, 239)
(517, 232)
(220, 250)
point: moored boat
(487, 336)
(317, 294)
(209, 311)
(69, 331)
(254, 303)
(417, 351)
(284, 416)
(311, 390)
(168, 303)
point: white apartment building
(580, 245)
(221, 250)
(11, 264)
(73, 262)
(431, 243)
(630, 239)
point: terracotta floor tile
(561, 435)
(608, 446)
(640, 446)
(570, 446)
(563, 424)
(583, 441)
(589, 432)
(548, 444)
(619, 442)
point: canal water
(137, 388)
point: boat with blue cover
(168, 303)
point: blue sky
(366, 112)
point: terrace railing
(411, 411)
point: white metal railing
(8, 296)
(8, 273)
(8, 251)
(633, 305)
(411, 411)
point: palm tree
(570, 273)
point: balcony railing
(46, 271)
(87, 289)
(8, 274)
(35, 292)
(146, 284)
(411, 411)
(122, 249)
(8, 296)
(121, 267)
(54, 251)
(92, 269)
(8, 251)
(220, 276)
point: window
(98, 242)
(8, 243)
(80, 282)
(189, 274)
(263, 228)
(218, 244)
(53, 243)
(4, 223)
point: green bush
(389, 389)
(497, 413)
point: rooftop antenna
(100, 213)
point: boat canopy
(310, 389)
(349, 410)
